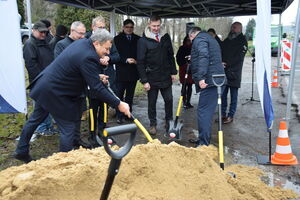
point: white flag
(263, 58)
(12, 79)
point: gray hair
(194, 30)
(102, 36)
(98, 19)
(75, 25)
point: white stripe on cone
(283, 149)
(283, 134)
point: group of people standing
(67, 68)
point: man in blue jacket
(58, 88)
(206, 61)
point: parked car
(24, 32)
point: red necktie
(157, 38)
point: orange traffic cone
(275, 79)
(283, 154)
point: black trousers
(69, 131)
(125, 91)
(168, 99)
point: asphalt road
(246, 137)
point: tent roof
(177, 8)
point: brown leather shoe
(84, 116)
(152, 130)
(223, 119)
(228, 120)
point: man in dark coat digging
(58, 88)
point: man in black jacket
(49, 35)
(77, 32)
(36, 51)
(126, 70)
(157, 70)
(205, 62)
(57, 91)
(38, 55)
(234, 48)
(60, 34)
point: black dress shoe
(189, 105)
(23, 157)
(83, 144)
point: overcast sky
(288, 17)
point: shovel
(176, 126)
(136, 121)
(116, 156)
(220, 132)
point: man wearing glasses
(106, 67)
(97, 23)
(77, 32)
(126, 69)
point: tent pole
(112, 22)
(293, 66)
(28, 10)
(279, 43)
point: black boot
(26, 158)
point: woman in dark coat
(183, 51)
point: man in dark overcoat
(126, 70)
(234, 48)
(58, 88)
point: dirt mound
(153, 171)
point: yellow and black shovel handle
(142, 128)
(179, 106)
(220, 132)
(92, 125)
(137, 122)
(105, 113)
(221, 150)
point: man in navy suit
(58, 88)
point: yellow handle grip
(179, 106)
(142, 128)
(105, 113)
(221, 151)
(92, 120)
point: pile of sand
(148, 172)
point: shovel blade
(174, 130)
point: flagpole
(28, 10)
(279, 43)
(293, 66)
